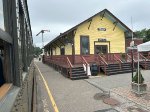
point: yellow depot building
(100, 34)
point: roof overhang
(5, 36)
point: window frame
(84, 36)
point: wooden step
(78, 73)
(113, 69)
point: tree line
(144, 34)
(37, 51)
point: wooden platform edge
(4, 89)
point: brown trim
(87, 36)
(103, 15)
(61, 42)
(115, 23)
(75, 32)
(90, 24)
(56, 44)
(51, 51)
(53, 46)
(101, 42)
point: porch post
(138, 74)
(51, 52)
(132, 62)
(73, 51)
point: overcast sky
(1, 16)
(61, 15)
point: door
(101, 49)
(84, 45)
(62, 51)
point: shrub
(135, 78)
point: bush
(135, 78)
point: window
(62, 51)
(5, 62)
(84, 45)
(1, 15)
(5, 52)
(101, 49)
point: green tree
(37, 51)
(144, 33)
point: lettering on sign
(102, 40)
(101, 29)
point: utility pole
(132, 49)
(43, 31)
(132, 28)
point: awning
(144, 47)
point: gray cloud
(1, 16)
(60, 15)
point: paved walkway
(119, 80)
(82, 95)
(125, 92)
(70, 96)
(119, 87)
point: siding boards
(57, 51)
(68, 49)
(116, 37)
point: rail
(110, 57)
(104, 62)
(130, 58)
(70, 66)
(118, 60)
(85, 63)
(148, 55)
(144, 59)
(104, 57)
